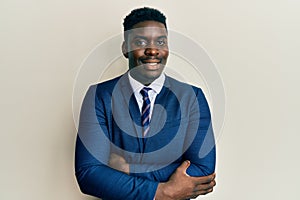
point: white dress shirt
(155, 86)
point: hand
(182, 186)
(119, 163)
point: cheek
(165, 54)
(137, 54)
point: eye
(161, 42)
(140, 43)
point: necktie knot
(144, 92)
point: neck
(143, 80)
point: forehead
(149, 29)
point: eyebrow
(145, 38)
(139, 37)
(163, 37)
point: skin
(181, 186)
(146, 48)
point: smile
(151, 65)
(151, 62)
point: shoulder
(182, 87)
(103, 89)
(109, 84)
(190, 96)
(186, 92)
(105, 86)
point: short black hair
(143, 14)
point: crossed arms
(107, 176)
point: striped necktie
(145, 110)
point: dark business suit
(110, 122)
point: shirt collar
(156, 85)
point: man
(140, 135)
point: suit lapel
(131, 104)
(130, 100)
(158, 118)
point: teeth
(152, 63)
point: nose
(150, 51)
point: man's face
(146, 48)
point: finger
(204, 187)
(117, 157)
(206, 191)
(204, 179)
(201, 192)
(183, 167)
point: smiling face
(146, 47)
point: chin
(152, 75)
(145, 75)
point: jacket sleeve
(201, 152)
(93, 174)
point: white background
(254, 43)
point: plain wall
(254, 44)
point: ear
(125, 49)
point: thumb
(183, 167)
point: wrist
(163, 192)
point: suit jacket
(110, 121)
